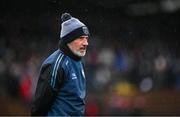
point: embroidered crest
(85, 30)
(73, 76)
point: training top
(61, 87)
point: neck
(68, 52)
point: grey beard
(79, 53)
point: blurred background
(132, 64)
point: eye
(87, 37)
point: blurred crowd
(119, 70)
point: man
(61, 87)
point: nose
(85, 41)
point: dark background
(132, 64)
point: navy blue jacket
(61, 87)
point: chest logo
(73, 75)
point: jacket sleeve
(45, 93)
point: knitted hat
(71, 28)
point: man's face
(79, 45)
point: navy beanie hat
(71, 28)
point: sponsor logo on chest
(73, 76)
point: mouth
(83, 48)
